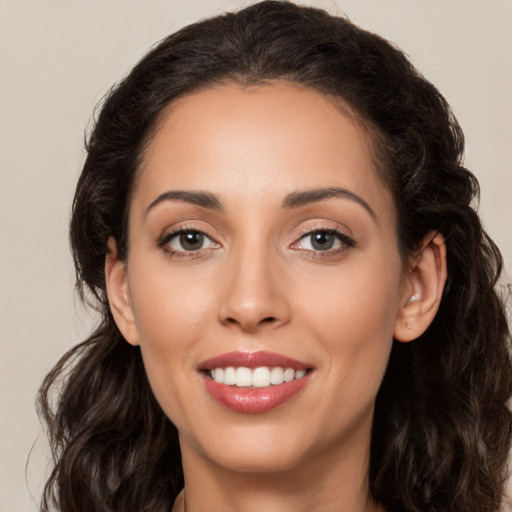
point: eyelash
(346, 242)
(162, 243)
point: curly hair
(441, 428)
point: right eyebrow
(197, 197)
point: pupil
(322, 240)
(191, 241)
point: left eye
(187, 241)
(322, 240)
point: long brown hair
(442, 428)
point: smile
(260, 377)
(254, 382)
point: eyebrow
(199, 198)
(292, 200)
(301, 198)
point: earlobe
(118, 292)
(425, 280)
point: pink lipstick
(254, 382)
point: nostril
(263, 321)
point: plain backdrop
(58, 58)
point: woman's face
(261, 236)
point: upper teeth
(258, 377)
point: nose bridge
(253, 296)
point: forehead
(259, 142)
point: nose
(254, 294)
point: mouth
(254, 382)
(260, 377)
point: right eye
(186, 240)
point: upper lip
(253, 360)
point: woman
(297, 298)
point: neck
(321, 484)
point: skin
(259, 284)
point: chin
(262, 448)
(270, 459)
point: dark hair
(442, 427)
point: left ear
(423, 289)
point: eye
(324, 240)
(186, 240)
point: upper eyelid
(324, 225)
(315, 224)
(172, 233)
(181, 227)
(304, 230)
(312, 229)
(343, 237)
(327, 230)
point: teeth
(289, 374)
(243, 377)
(229, 376)
(258, 377)
(261, 377)
(276, 376)
(300, 373)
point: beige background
(57, 60)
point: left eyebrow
(304, 197)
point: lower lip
(254, 400)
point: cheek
(359, 297)
(171, 313)
(353, 313)
(170, 307)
